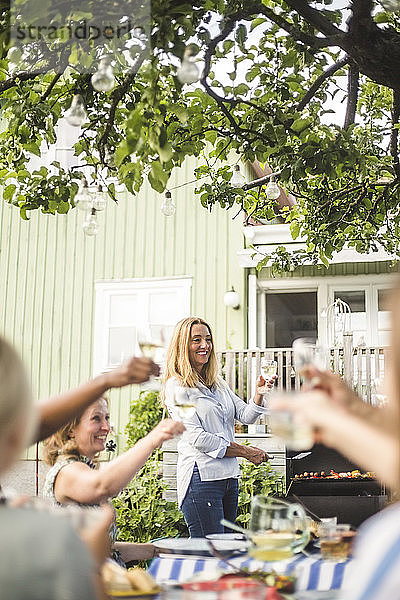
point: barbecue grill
(351, 497)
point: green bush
(142, 512)
(260, 479)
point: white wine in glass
(268, 368)
(183, 406)
(151, 342)
(148, 349)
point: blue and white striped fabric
(312, 572)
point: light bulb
(272, 190)
(238, 180)
(188, 72)
(91, 225)
(168, 208)
(103, 80)
(83, 199)
(76, 114)
(391, 5)
(100, 198)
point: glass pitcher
(277, 529)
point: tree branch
(315, 17)
(353, 77)
(116, 97)
(9, 83)
(394, 136)
(307, 39)
(320, 80)
(226, 30)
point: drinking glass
(289, 425)
(268, 368)
(336, 542)
(278, 529)
(151, 341)
(307, 351)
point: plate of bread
(123, 583)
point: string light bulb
(100, 198)
(76, 115)
(237, 179)
(188, 72)
(83, 199)
(103, 79)
(168, 207)
(91, 225)
(272, 191)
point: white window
(287, 309)
(124, 306)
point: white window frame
(325, 288)
(105, 290)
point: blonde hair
(15, 392)
(61, 443)
(178, 362)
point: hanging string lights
(92, 202)
(76, 115)
(103, 79)
(272, 191)
(99, 198)
(238, 179)
(83, 199)
(91, 225)
(168, 207)
(188, 72)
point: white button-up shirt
(208, 432)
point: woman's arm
(76, 482)
(254, 455)
(248, 413)
(57, 411)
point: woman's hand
(263, 386)
(256, 455)
(135, 370)
(165, 430)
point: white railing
(360, 366)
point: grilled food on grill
(334, 475)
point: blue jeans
(207, 502)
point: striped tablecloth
(312, 572)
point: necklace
(87, 461)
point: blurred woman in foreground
(41, 557)
(370, 437)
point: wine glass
(307, 351)
(151, 341)
(184, 407)
(268, 368)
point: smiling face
(91, 432)
(200, 346)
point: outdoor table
(311, 571)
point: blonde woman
(42, 558)
(207, 469)
(74, 478)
